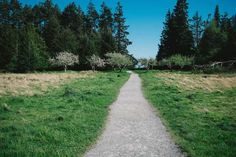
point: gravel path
(133, 129)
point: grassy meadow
(54, 114)
(198, 110)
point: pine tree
(105, 20)
(38, 16)
(88, 47)
(217, 16)
(31, 54)
(225, 24)
(166, 46)
(5, 12)
(92, 18)
(43, 13)
(197, 27)
(106, 31)
(66, 41)
(16, 13)
(8, 45)
(229, 51)
(211, 44)
(72, 17)
(28, 15)
(108, 43)
(121, 32)
(48, 9)
(11, 17)
(183, 35)
(50, 34)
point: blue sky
(146, 18)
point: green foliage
(166, 46)
(197, 28)
(68, 30)
(176, 36)
(73, 18)
(107, 43)
(67, 41)
(210, 46)
(63, 122)
(118, 60)
(89, 45)
(201, 122)
(106, 24)
(209, 41)
(8, 45)
(50, 33)
(217, 16)
(91, 18)
(106, 19)
(31, 52)
(183, 36)
(121, 33)
(177, 60)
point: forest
(31, 35)
(195, 40)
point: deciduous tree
(65, 59)
(118, 60)
(96, 61)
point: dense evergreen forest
(31, 35)
(210, 40)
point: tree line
(31, 35)
(210, 40)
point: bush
(177, 61)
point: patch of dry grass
(199, 81)
(36, 83)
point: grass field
(62, 120)
(198, 110)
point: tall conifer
(121, 32)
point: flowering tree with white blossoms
(147, 63)
(96, 61)
(65, 59)
(118, 60)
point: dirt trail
(133, 129)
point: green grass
(63, 122)
(202, 123)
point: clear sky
(146, 18)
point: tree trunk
(65, 68)
(93, 67)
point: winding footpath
(133, 129)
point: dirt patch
(36, 83)
(199, 81)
